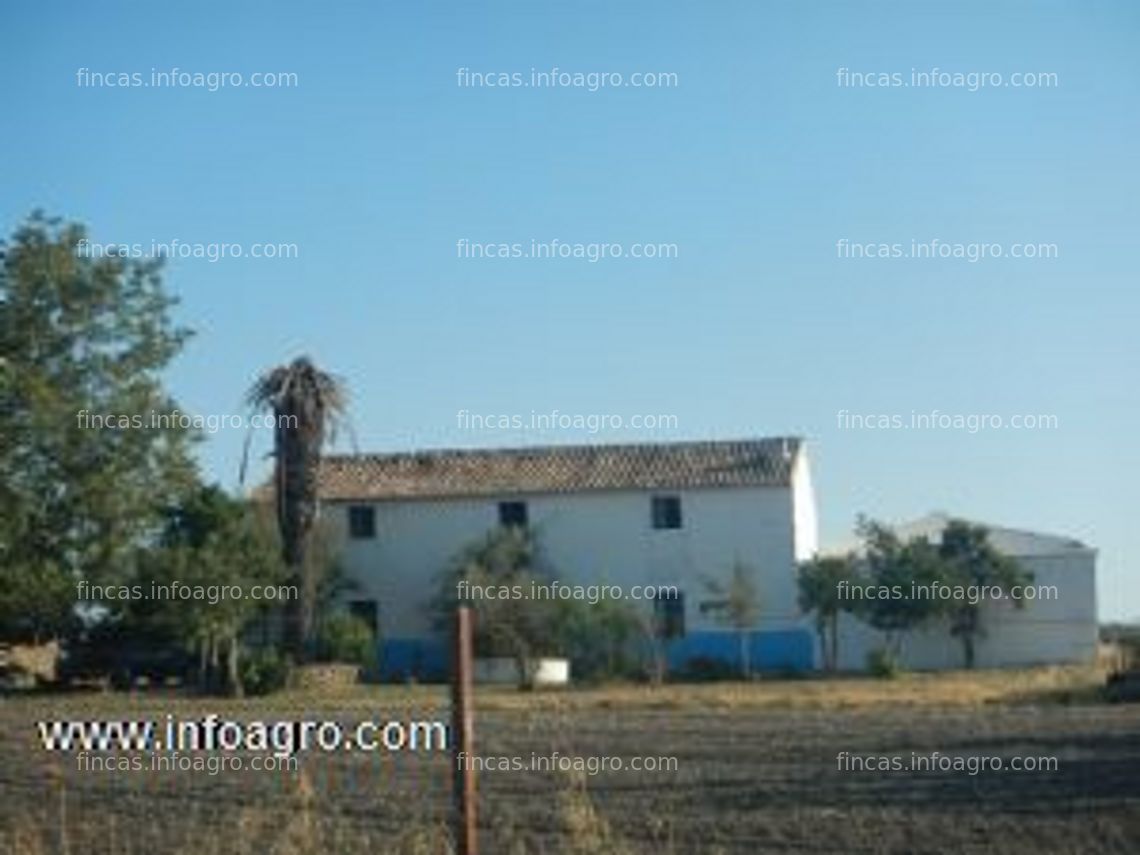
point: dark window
(669, 614)
(512, 514)
(666, 511)
(367, 611)
(361, 521)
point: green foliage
(970, 562)
(892, 566)
(346, 638)
(264, 672)
(213, 542)
(824, 584)
(332, 583)
(899, 580)
(80, 337)
(37, 601)
(599, 639)
(884, 663)
(507, 624)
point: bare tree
(736, 604)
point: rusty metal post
(463, 737)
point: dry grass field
(756, 771)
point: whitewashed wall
(1057, 631)
(590, 538)
(806, 519)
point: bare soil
(747, 780)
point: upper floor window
(666, 511)
(512, 514)
(361, 522)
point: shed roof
(1018, 543)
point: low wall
(505, 672)
(776, 650)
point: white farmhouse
(1057, 623)
(672, 514)
(629, 515)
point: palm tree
(308, 407)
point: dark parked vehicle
(123, 658)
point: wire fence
(744, 779)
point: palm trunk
(306, 404)
(297, 498)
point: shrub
(707, 669)
(263, 672)
(883, 663)
(599, 639)
(348, 639)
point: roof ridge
(669, 445)
(448, 472)
(1067, 539)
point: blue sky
(754, 165)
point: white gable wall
(804, 510)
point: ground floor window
(367, 611)
(669, 613)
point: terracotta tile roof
(559, 469)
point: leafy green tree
(891, 568)
(971, 563)
(333, 585)
(825, 585)
(508, 622)
(494, 576)
(309, 407)
(216, 545)
(90, 450)
(736, 603)
(598, 638)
